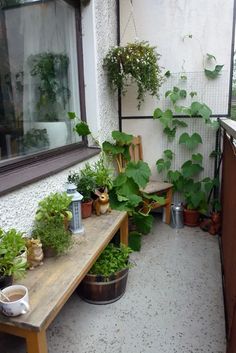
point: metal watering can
(177, 216)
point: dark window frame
(23, 170)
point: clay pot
(191, 217)
(100, 290)
(86, 208)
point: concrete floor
(173, 303)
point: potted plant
(12, 262)
(106, 281)
(53, 206)
(85, 186)
(50, 71)
(136, 62)
(53, 236)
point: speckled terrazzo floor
(173, 303)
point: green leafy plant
(100, 172)
(51, 70)
(112, 260)
(165, 163)
(212, 74)
(53, 235)
(85, 184)
(56, 205)
(135, 62)
(12, 245)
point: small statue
(101, 205)
(34, 253)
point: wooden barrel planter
(96, 289)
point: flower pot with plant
(51, 223)
(12, 263)
(106, 281)
(85, 186)
(55, 205)
(136, 62)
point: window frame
(24, 166)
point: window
(39, 80)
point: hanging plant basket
(135, 62)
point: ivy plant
(191, 142)
(136, 62)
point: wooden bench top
(51, 284)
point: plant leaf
(190, 142)
(122, 138)
(135, 240)
(82, 129)
(210, 57)
(197, 158)
(167, 73)
(160, 163)
(139, 172)
(192, 94)
(180, 123)
(189, 169)
(71, 115)
(170, 132)
(168, 154)
(166, 118)
(111, 148)
(212, 74)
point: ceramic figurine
(34, 253)
(101, 205)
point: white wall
(17, 209)
(166, 25)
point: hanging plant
(135, 62)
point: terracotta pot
(96, 289)
(5, 281)
(191, 217)
(86, 208)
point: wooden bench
(51, 285)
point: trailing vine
(135, 62)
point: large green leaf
(153, 197)
(162, 165)
(170, 132)
(134, 200)
(168, 154)
(129, 188)
(157, 113)
(190, 142)
(143, 222)
(120, 180)
(189, 169)
(166, 118)
(82, 129)
(139, 172)
(122, 138)
(111, 148)
(197, 158)
(212, 74)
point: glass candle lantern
(75, 207)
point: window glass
(38, 76)
(233, 100)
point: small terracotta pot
(191, 217)
(86, 208)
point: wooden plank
(52, 284)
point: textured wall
(17, 209)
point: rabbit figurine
(101, 205)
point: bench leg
(124, 231)
(36, 342)
(168, 205)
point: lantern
(75, 207)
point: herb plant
(135, 62)
(111, 260)
(85, 184)
(53, 206)
(53, 235)
(12, 245)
